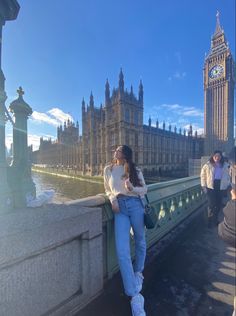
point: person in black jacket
(227, 228)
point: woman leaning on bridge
(125, 186)
(215, 180)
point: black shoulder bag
(150, 218)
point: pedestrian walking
(215, 180)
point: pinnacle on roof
(218, 29)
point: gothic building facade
(120, 121)
(157, 149)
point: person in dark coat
(227, 228)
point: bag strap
(141, 200)
(147, 200)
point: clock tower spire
(218, 27)
(219, 82)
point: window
(127, 115)
(112, 139)
(127, 138)
(136, 117)
(152, 158)
(136, 139)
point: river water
(65, 188)
(69, 188)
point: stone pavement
(195, 278)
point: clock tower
(219, 82)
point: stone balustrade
(55, 259)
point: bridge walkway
(196, 277)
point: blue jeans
(131, 214)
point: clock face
(216, 71)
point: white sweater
(114, 183)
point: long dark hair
(130, 167)
(221, 159)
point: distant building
(64, 151)
(69, 134)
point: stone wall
(51, 260)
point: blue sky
(60, 51)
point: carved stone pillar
(20, 173)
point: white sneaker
(137, 305)
(139, 280)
